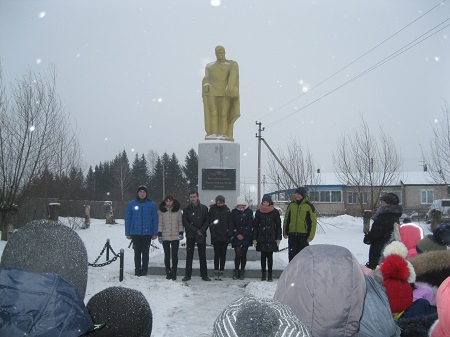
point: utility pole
(258, 135)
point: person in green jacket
(300, 222)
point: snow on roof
(407, 178)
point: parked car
(442, 205)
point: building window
(426, 196)
(325, 196)
(353, 197)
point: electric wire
(383, 61)
(352, 62)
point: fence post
(366, 220)
(108, 246)
(54, 211)
(121, 264)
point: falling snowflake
(215, 3)
(41, 14)
(32, 128)
(38, 61)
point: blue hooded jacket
(141, 218)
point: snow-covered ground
(181, 309)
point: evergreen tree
(190, 169)
(175, 182)
(121, 177)
(155, 187)
(139, 172)
(89, 184)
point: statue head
(220, 53)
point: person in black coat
(380, 233)
(220, 234)
(241, 226)
(267, 234)
(195, 221)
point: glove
(366, 240)
(180, 236)
(160, 239)
(278, 242)
(254, 243)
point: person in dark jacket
(220, 234)
(141, 226)
(382, 228)
(170, 232)
(267, 234)
(241, 225)
(195, 221)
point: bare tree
(439, 159)
(366, 163)
(35, 134)
(299, 164)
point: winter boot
(144, 272)
(174, 273)
(137, 272)
(216, 275)
(242, 275)
(220, 275)
(269, 277)
(168, 274)
(263, 276)
(235, 274)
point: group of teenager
(238, 226)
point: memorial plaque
(218, 179)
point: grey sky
(130, 71)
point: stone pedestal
(218, 171)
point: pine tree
(175, 182)
(190, 169)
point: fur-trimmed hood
(432, 267)
(175, 206)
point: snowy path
(201, 312)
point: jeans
(190, 246)
(141, 244)
(220, 255)
(296, 242)
(167, 245)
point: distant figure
(220, 234)
(195, 221)
(267, 234)
(242, 225)
(382, 227)
(170, 233)
(300, 222)
(220, 91)
(141, 226)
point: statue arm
(233, 80)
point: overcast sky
(130, 71)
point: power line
(352, 62)
(383, 61)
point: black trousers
(171, 247)
(240, 258)
(266, 256)
(296, 243)
(201, 247)
(220, 255)
(141, 245)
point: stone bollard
(87, 216)
(109, 213)
(436, 216)
(54, 211)
(366, 220)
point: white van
(442, 205)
